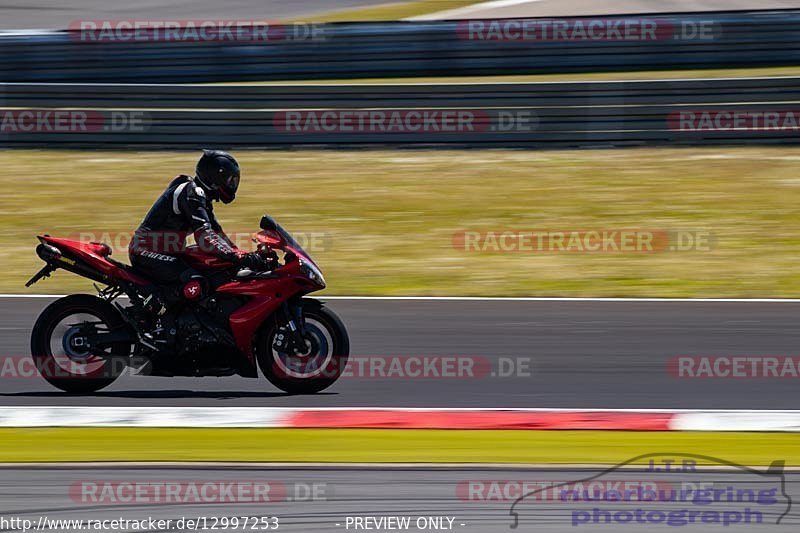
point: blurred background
(386, 198)
(449, 156)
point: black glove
(254, 261)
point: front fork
(291, 336)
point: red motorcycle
(241, 320)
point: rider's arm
(193, 204)
(216, 226)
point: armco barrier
(532, 115)
(402, 49)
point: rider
(185, 207)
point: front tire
(56, 343)
(328, 349)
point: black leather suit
(183, 208)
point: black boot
(154, 302)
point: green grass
(389, 446)
(389, 217)
(532, 78)
(390, 11)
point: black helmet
(218, 173)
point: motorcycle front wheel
(313, 368)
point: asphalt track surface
(574, 354)
(64, 493)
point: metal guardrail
(532, 115)
(403, 49)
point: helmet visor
(227, 189)
(232, 183)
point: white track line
(500, 299)
(239, 465)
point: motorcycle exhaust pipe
(53, 256)
(48, 252)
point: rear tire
(73, 371)
(329, 348)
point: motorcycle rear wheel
(56, 344)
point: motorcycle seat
(129, 268)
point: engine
(204, 342)
(193, 334)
